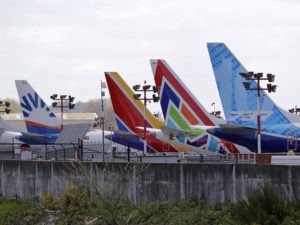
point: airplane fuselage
(270, 143)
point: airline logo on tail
(31, 102)
(130, 113)
(239, 104)
(181, 109)
(38, 116)
(179, 116)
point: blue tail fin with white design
(239, 104)
(39, 118)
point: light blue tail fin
(39, 118)
(239, 104)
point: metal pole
(61, 112)
(145, 122)
(12, 148)
(111, 133)
(102, 120)
(258, 117)
(128, 152)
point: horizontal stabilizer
(37, 137)
(173, 132)
(127, 135)
(235, 129)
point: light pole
(7, 105)
(65, 102)
(294, 110)
(102, 86)
(145, 88)
(271, 88)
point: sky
(64, 46)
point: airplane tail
(129, 113)
(182, 110)
(239, 104)
(39, 118)
(174, 94)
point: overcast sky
(64, 46)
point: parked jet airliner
(130, 117)
(183, 112)
(42, 123)
(279, 129)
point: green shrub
(263, 207)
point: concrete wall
(147, 182)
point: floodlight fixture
(136, 96)
(292, 110)
(71, 105)
(271, 88)
(246, 85)
(136, 87)
(247, 75)
(155, 89)
(54, 96)
(155, 98)
(217, 113)
(270, 77)
(146, 87)
(258, 75)
(71, 99)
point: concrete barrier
(141, 182)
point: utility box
(26, 155)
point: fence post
(46, 152)
(12, 148)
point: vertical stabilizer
(182, 110)
(239, 104)
(39, 118)
(130, 113)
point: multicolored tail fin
(173, 91)
(130, 113)
(182, 110)
(239, 104)
(39, 118)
